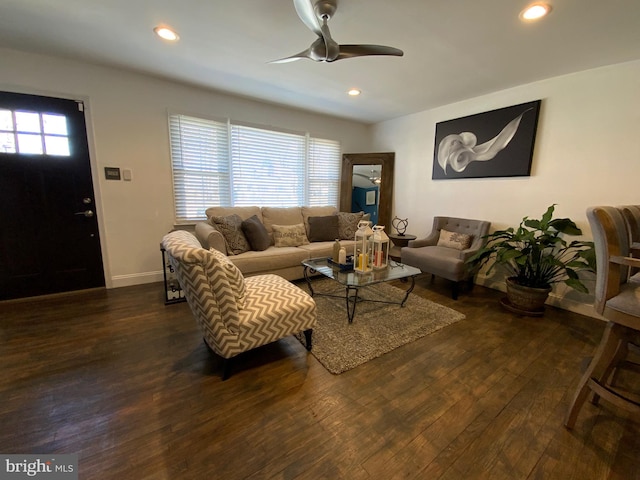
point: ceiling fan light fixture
(166, 33)
(535, 11)
(315, 14)
(354, 92)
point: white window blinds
(220, 164)
(323, 172)
(268, 167)
(200, 160)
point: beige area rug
(377, 328)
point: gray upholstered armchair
(236, 314)
(444, 252)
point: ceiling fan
(374, 178)
(315, 14)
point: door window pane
(6, 120)
(7, 142)
(56, 124)
(28, 122)
(56, 145)
(29, 143)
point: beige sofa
(285, 261)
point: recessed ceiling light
(166, 33)
(354, 92)
(535, 11)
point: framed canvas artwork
(498, 143)
(371, 197)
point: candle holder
(380, 242)
(363, 248)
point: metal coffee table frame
(353, 281)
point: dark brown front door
(49, 239)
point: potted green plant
(536, 256)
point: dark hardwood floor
(127, 383)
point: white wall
(127, 116)
(586, 150)
(586, 153)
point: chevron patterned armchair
(236, 314)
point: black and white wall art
(498, 143)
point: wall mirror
(367, 184)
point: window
(222, 164)
(33, 133)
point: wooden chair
(618, 300)
(631, 214)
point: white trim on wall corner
(564, 303)
(137, 279)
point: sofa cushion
(348, 224)
(243, 212)
(280, 216)
(234, 277)
(273, 259)
(275, 308)
(440, 261)
(256, 234)
(289, 235)
(323, 229)
(308, 212)
(459, 241)
(231, 229)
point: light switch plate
(127, 175)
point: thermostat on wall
(112, 173)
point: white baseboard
(136, 279)
(585, 309)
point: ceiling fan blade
(351, 51)
(293, 58)
(332, 47)
(305, 11)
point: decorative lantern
(380, 242)
(363, 248)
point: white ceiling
(454, 49)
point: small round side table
(399, 241)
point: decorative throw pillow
(256, 234)
(289, 235)
(234, 277)
(459, 241)
(348, 224)
(231, 229)
(323, 229)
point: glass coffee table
(353, 281)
